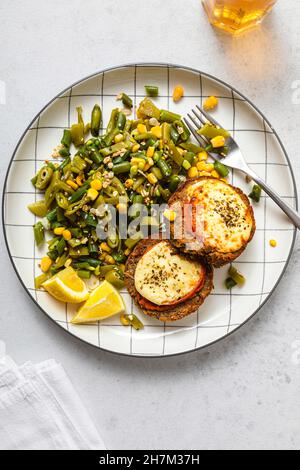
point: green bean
(151, 90)
(44, 177)
(174, 182)
(138, 182)
(221, 169)
(74, 242)
(209, 131)
(64, 152)
(144, 136)
(190, 157)
(38, 231)
(126, 100)
(84, 274)
(191, 147)
(79, 193)
(95, 156)
(34, 179)
(230, 283)
(165, 130)
(112, 121)
(105, 269)
(174, 135)
(64, 164)
(137, 199)
(61, 261)
(121, 121)
(78, 252)
(93, 247)
(236, 276)
(52, 215)
(66, 139)
(119, 257)
(112, 149)
(61, 245)
(38, 208)
(182, 130)
(164, 167)
(96, 120)
(77, 134)
(255, 194)
(156, 171)
(168, 116)
(123, 167)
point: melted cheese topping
(163, 276)
(225, 218)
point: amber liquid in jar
(236, 16)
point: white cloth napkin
(40, 410)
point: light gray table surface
(243, 392)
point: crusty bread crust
(175, 312)
(214, 257)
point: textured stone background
(244, 392)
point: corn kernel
(215, 174)
(193, 172)
(146, 167)
(150, 152)
(68, 262)
(170, 215)
(127, 252)
(156, 130)
(67, 235)
(72, 184)
(119, 138)
(79, 179)
(129, 183)
(210, 103)
(204, 173)
(135, 148)
(58, 230)
(152, 178)
(142, 164)
(141, 128)
(96, 184)
(122, 208)
(218, 141)
(178, 93)
(104, 247)
(273, 243)
(92, 194)
(201, 166)
(150, 161)
(46, 264)
(202, 156)
(209, 167)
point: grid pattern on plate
(212, 321)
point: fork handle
(290, 212)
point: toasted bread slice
(172, 312)
(214, 220)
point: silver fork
(235, 159)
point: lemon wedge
(105, 301)
(67, 286)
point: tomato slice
(160, 308)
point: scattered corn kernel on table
(242, 393)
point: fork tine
(197, 136)
(208, 117)
(200, 118)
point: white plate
(263, 266)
